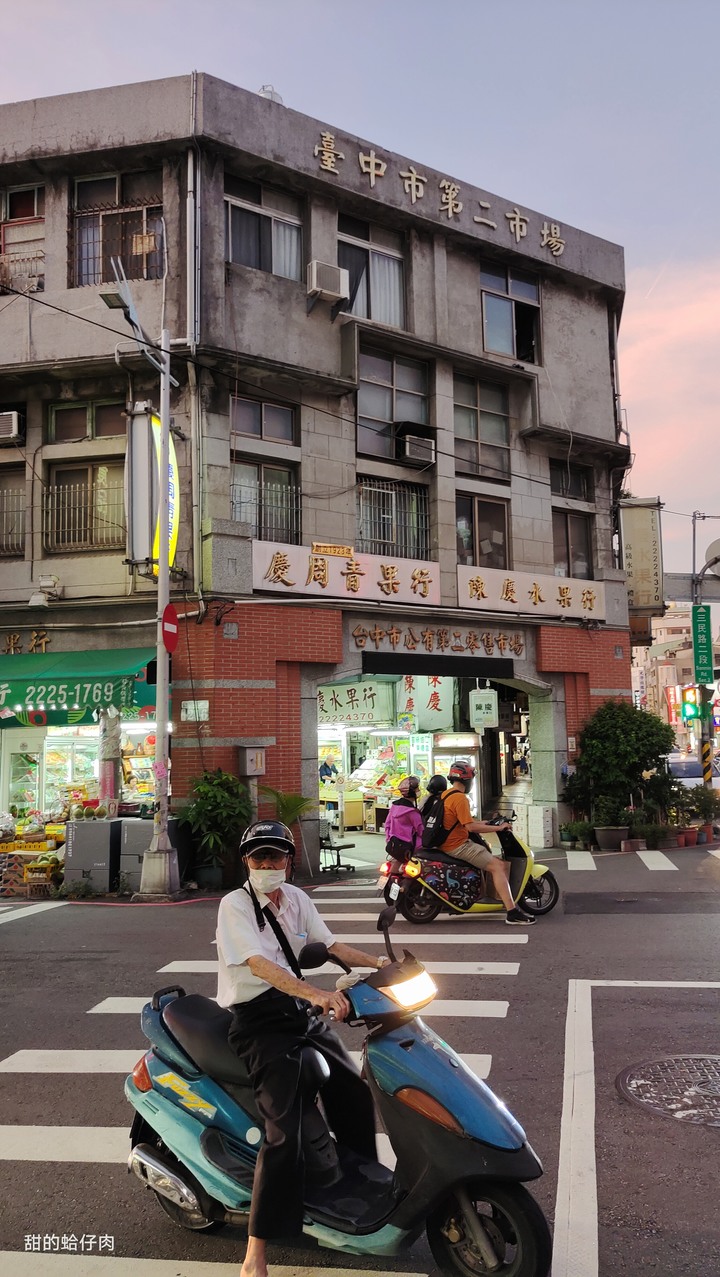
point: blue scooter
(462, 1159)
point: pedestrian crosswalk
(655, 861)
(475, 969)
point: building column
(548, 740)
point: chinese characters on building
(439, 639)
(295, 569)
(416, 186)
(491, 590)
(39, 641)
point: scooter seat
(201, 1027)
(440, 858)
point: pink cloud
(669, 354)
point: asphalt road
(623, 973)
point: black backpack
(434, 832)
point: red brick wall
(271, 644)
(594, 669)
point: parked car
(688, 770)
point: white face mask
(266, 880)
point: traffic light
(690, 706)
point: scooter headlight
(413, 993)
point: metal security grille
(393, 518)
(12, 521)
(132, 232)
(84, 516)
(270, 510)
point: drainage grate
(686, 1087)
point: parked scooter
(462, 1159)
(431, 881)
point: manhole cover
(686, 1087)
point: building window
(70, 423)
(373, 257)
(392, 392)
(482, 532)
(482, 428)
(84, 508)
(393, 519)
(263, 228)
(117, 216)
(570, 480)
(572, 543)
(511, 312)
(13, 502)
(254, 420)
(22, 239)
(267, 499)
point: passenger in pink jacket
(403, 825)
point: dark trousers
(268, 1034)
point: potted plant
(611, 821)
(290, 808)
(583, 833)
(705, 803)
(567, 834)
(218, 810)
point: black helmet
(267, 833)
(437, 785)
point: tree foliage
(217, 813)
(619, 747)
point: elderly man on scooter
(261, 929)
(459, 824)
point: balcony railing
(23, 270)
(270, 510)
(79, 516)
(393, 518)
(132, 232)
(12, 522)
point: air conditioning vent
(10, 427)
(416, 451)
(331, 283)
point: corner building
(398, 435)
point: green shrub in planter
(218, 811)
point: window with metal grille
(511, 312)
(391, 390)
(84, 508)
(482, 532)
(572, 543)
(13, 503)
(373, 257)
(393, 518)
(482, 428)
(263, 228)
(266, 497)
(120, 215)
(22, 238)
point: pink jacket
(405, 822)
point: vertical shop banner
(362, 702)
(425, 703)
(641, 543)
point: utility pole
(160, 877)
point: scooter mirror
(385, 920)
(313, 955)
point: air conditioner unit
(416, 451)
(331, 283)
(11, 427)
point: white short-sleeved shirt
(239, 938)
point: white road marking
(656, 860)
(4, 908)
(448, 1007)
(580, 860)
(434, 937)
(71, 1062)
(202, 966)
(576, 1248)
(27, 910)
(350, 886)
(378, 901)
(21, 1264)
(65, 1143)
(714, 852)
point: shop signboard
(362, 702)
(426, 702)
(444, 640)
(298, 570)
(641, 543)
(702, 643)
(142, 486)
(526, 593)
(483, 708)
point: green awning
(35, 686)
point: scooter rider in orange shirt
(459, 823)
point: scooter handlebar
(317, 1010)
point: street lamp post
(160, 877)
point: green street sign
(702, 643)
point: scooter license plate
(394, 890)
(381, 882)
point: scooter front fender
(539, 871)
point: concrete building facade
(397, 426)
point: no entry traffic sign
(170, 627)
